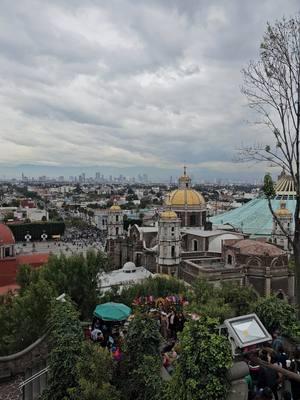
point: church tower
(115, 235)
(115, 222)
(285, 217)
(169, 243)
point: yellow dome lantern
(168, 214)
(282, 211)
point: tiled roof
(33, 259)
(255, 247)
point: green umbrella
(112, 311)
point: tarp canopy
(112, 311)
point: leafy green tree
(140, 370)
(277, 314)
(26, 274)
(205, 357)
(222, 302)
(76, 276)
(65, 340)
(31, 312)
(202, 291)
(7, 342)
(94, 374)
(240, 298)
(143, 338)
(23, 318)
(214, 308)
(208, 300)
(148, 382)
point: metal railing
(33, 377)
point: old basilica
(182, 243)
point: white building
(124, 277)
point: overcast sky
(129, 83)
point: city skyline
(138, 87)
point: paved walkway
(10, 390)
(56, 247)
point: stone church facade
(183, 244)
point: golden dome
(168, 214)
(115, 208)
(182, 197)
(283, 211)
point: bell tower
(169, 243)
(285, 217)
(115, 222)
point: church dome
(115, 208)
(182, 197)
(282, 211)
(168, 214)
(6, 235)
(129, 266)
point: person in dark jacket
(295, 367)
(269, 377)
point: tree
(272, 87)
(275, 314)
(94, 375)
(240, 298)
(23, 318)
(205, 357)
(7, 343)
(223, 302)
(140, 370)
(26, 274)
(66, 338)
(76, 275)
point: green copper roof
(254, 217)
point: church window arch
(117, 231)
(195, 245)
(173, 251)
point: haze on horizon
(131, 84)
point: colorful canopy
(112, 311)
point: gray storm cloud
(131, 83)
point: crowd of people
(82, 238)
(108, 335)
(265, 380)
(265, 383)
